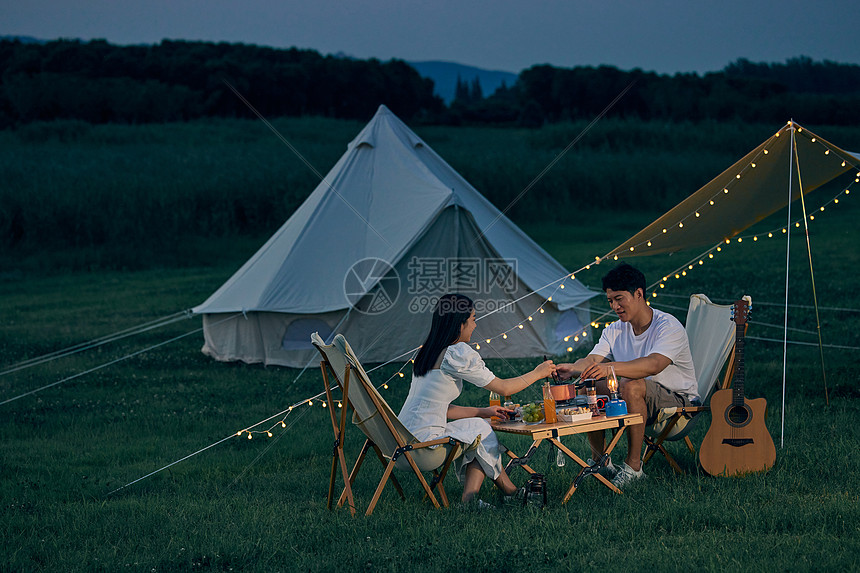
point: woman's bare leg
(472, 483)
(504, 483)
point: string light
(698, 261)
(647, 242)
(718, 247)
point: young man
(650, 353)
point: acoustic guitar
(737, 442)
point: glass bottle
(548, 405)
(495, 400)
(591, 397)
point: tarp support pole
(812, 277)
(787, 258)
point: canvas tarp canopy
(790, 164)
(391, 226)
(744, 194)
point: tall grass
(80, 196)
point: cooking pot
(562, 392)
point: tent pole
(787, 258)
(812, 277)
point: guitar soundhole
(738, 416)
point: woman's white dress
(425, 412)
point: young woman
(442, 363)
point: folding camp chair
(711, 331)
(394, 445)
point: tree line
(99, 82)
(177, 81)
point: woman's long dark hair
(451, 312)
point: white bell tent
(390, 227)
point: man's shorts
(657, 397)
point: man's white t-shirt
(665, 335)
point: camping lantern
(612, 383)
(535, 491)
(616, 406)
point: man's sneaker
(608, 471)
(627, 475)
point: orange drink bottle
(495, 400)
(548, 405)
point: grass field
(259, 505)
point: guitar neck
(738, 381)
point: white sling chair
(394, 445)
(711, 332)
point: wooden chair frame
(403, 448)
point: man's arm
(567, 371)
(632, 369)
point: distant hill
(444, 75)
(23, 39)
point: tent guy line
(309, 165)
(805, 306)
(96, 342)
(558, 157)
(106, 364)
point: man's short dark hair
(624, 277)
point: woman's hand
(544, 370)
(495, 411)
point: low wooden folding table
(552, 433)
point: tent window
(298, 334)
(568, 324)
